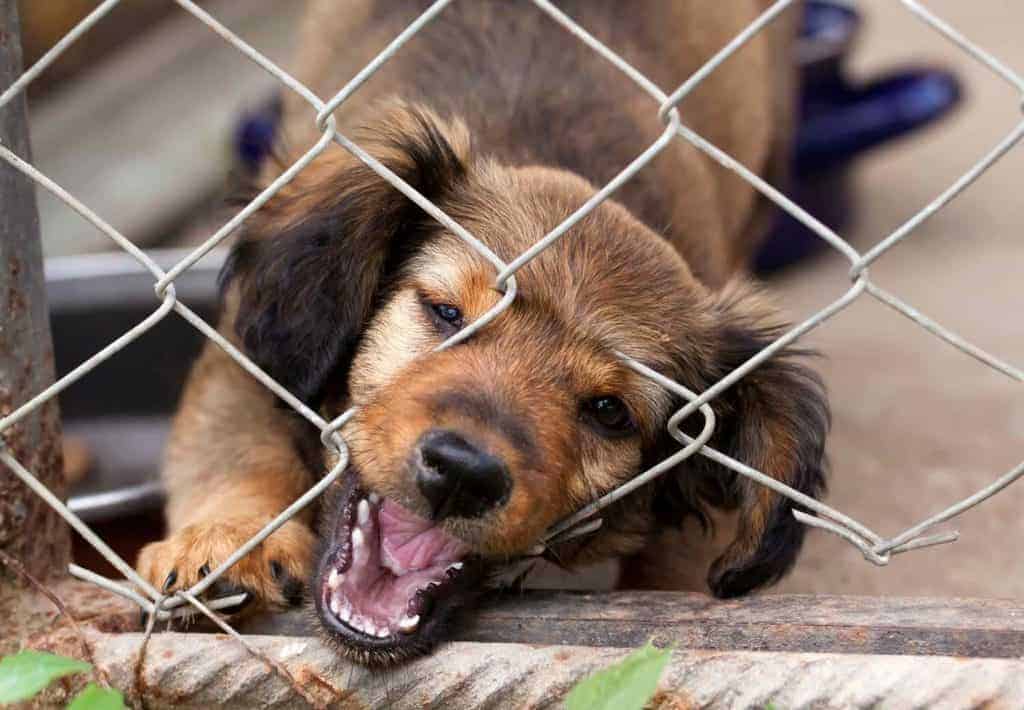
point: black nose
(457, 478)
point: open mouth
(389, 576)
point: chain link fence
(876, 548)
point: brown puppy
(340, 288)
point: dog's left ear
(775, 420)
(310, 265)
(778, 419)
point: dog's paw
(273, 575)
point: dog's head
(462, 458)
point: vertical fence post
(29, 529)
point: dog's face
(462, 458)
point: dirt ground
(919, 425)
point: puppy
(341, 289)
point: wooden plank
(984, 628)
(144, 137)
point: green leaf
(93, 697)
(627, 685)
(26, 673)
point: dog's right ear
(309, 265)
(774, 419)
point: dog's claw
(270, 576)
(169, 582)
(223, 588)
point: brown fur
(507, 124)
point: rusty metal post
(29, 529)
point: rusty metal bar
(30, 530)
(197, 671)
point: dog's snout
(459, 479)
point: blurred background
(145, 117)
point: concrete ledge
(202, 671)
(528, 651)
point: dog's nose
(459, 479)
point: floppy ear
(311, 263)
(775, 420)
(778, 419)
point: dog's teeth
(409, 624)
(455, 566)
(383, 632)
(335, 607)
(335, 579)
(363, 513)
(368, 628)
(346, 613)
(374, 499)
(360, 550)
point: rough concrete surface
(205, 673)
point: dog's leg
(231, 467)
(678, 558)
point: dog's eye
(448, 313)
(611, 414)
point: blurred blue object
(839, 120)
(255, 132)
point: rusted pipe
(201, 671)
(29, 530)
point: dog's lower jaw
(389, 584)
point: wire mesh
(875, 547)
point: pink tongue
(409, 542)
(395, 554)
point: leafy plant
(626, 685)
(93, 697)
(25, 674)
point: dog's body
(340, 289)
(531, 94)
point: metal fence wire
(875, 547)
